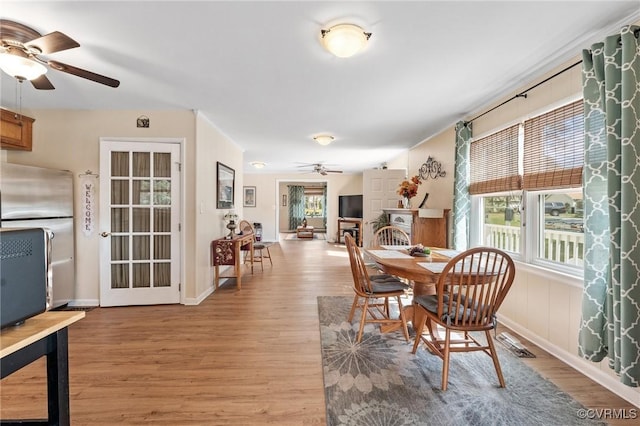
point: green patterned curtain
(461, 199)
(296, 206)
(610, 325)
(324, 204)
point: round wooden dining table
(422, 279)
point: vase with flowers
(408, 189)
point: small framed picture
(284, 200)
(249, 196)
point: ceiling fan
(320, 168)
(21, 48)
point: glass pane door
(142, 199)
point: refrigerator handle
(48, 236)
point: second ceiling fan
(320, 169)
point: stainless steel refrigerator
(36, 197)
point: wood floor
(249, 357)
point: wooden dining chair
(469, 291)
(245, 228)
(372, 296)
(261, 253)
(260, 249)
(391, 235)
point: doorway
(301, 199)
(140, 253)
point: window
(502, 221)
(561, 219)
(313, 205)
(314, 201)
(537, 212)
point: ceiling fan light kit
(323, 139)
(20, 67)
(344, 40)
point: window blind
(554, 148)
(493, 162)
(310, 190)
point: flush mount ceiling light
(323, 139)
(21, 68)
(344, 40)
(258, 164)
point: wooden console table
(42, 335)
(225, 251)
(357, 227)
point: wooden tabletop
(408, 267)
(14, 338)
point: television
(350, 206)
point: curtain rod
(523, 94)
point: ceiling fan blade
(53, 42)
(333, 171)
(84, 74)
(42, 83)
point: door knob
(105, 234)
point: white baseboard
(87, 303)
(191, 301)
(585, 367)
(84, 303)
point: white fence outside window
(559, 246)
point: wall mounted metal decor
(431, 169)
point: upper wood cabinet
(16, 131)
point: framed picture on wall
(225, 186)
(249, 196)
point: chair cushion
(381, 277)
(430, 303)
(388, 285)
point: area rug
(316, 236)
(379, 382)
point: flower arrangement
(409, 188)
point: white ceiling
(258, 72)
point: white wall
(212, 146)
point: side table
(226, 251)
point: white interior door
(379, 192)
(139, 223)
